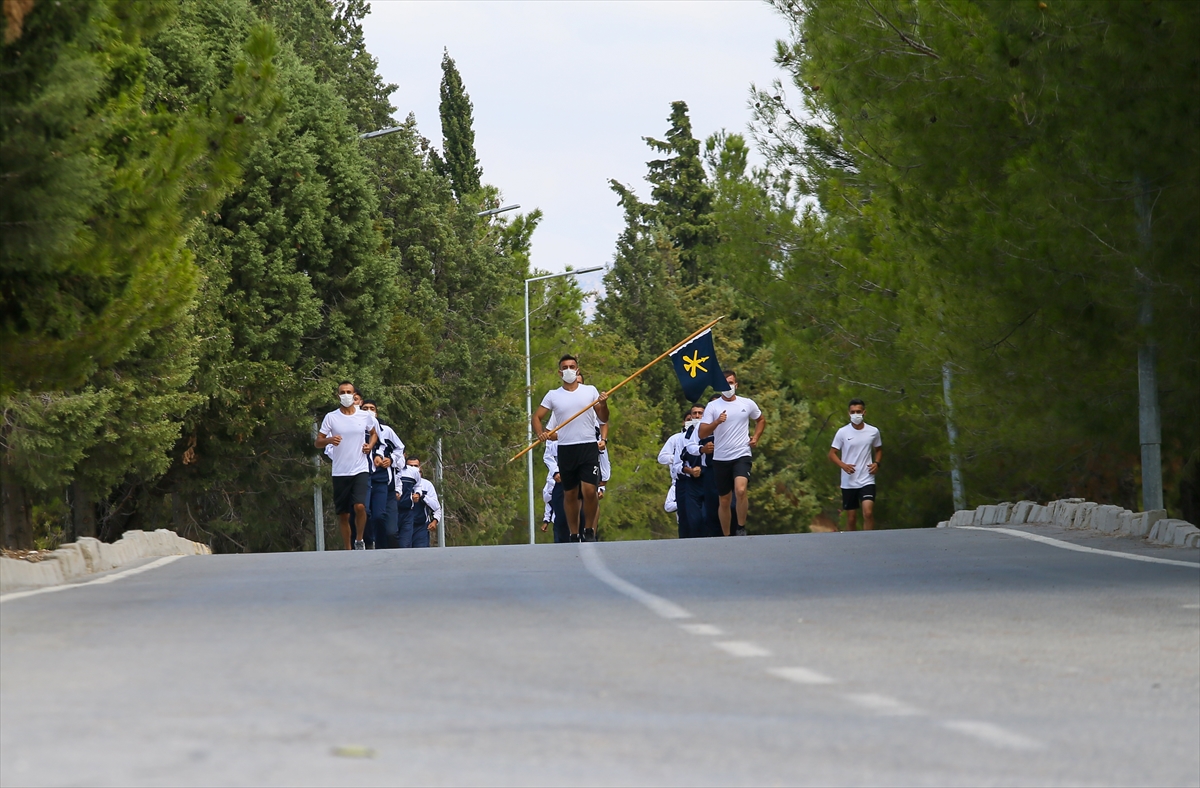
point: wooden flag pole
(557, 427)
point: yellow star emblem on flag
(690, 365)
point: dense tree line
(972, 214)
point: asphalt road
(936, 657)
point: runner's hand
(603, 396)
(601, 444)
(847, 467)
(754, 442)
(721, 418)
(708, 448)
(558, 478)
(416, 497)
(872, 468)
(366, 448)
(545, 525)
(336, 440)
(432, 525)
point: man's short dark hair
(567, 357)
(369, 402)
(857, 401)
(410, 457)
(729, 373)
(346, 383)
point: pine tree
(458, 161)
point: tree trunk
(15, 510)
(83, 510)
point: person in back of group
(352, 433)
(387, 458)
(427, 510)
(690, 484)
(851, 451)
(578, 452)
(727, 420)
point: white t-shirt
(857, 448)
(348, 458)
(732, 438)
(564, 404)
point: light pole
(529, 390)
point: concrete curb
(1154, 526)
(87, 556)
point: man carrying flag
(578, 452)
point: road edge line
(98, 581)
(1077, 547)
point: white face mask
(687, 425)
(346, 399)
(856, 418)
(569, 375)
(729, 392)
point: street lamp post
(529, 391)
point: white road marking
(98, 581)
(800, 675)
(702, 629)
(991, 734)
(883, 705)
(1191, 607)
(1149, 559)
(595, 565)
(742, 648)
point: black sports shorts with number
(851, 499)
(349, 490)
(726, 470)
(579, 462)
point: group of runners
(380, 497)
(383, 502)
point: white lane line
(991, 734)
(1079, 548)
(98, 581)
(882, 705)
(800, 675)
(1191, 607)
(742, 648)
(707, 630)
(595, 565)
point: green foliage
(966, 182)
(458, 161)
(101, 185)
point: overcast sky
(565, 91)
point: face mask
(729, 392)
(856, 418)
(687, 425)
(569, 375)
(346, 399)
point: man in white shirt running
(352, 433)
(855, 444)
(728, 420)
(578, 451)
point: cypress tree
(458, 161)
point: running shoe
(589, 535)
(576, 538)
(360, 545)
(740, 532)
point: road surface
(933, 657)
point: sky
(564, 92)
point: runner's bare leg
(344, 523)
(868, 508)
(591, 504)
(723, 511)
(740, 484)
(571, 508)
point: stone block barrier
(88, 556)
(1153, 526)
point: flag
(697, 368)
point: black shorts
(725, 470)
(348, 491)
(579, 462)
(852, 498)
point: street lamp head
(494, 211)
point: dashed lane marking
(882, 705)
(991, 734)
(1149, 559)
(742, 648)
(595, 565)
(707, 630)
(801, 675)
(98, 581)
